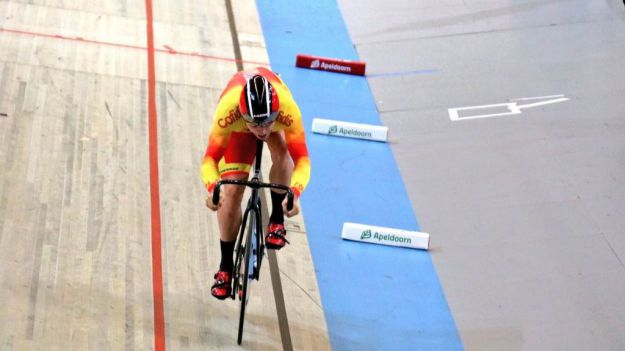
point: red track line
(167, 50)
(157, 261)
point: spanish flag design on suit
(231, 147)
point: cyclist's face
(261, 131)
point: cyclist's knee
(277, 145)
(280, 157)
(282, 163)
(234, 193)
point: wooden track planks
(74, 188)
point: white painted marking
(511, 108)
(538, 97)
(542, 103)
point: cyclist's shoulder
(227, 118)
(228, 123)
(289, 115)
(235, 85)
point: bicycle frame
(249, 248)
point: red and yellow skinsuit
(232, 147)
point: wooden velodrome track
(76, 226)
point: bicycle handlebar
(254, 184)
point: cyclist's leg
(235, 164)
(229, 219)
(229, 215)
(281, 170)
(281, 162)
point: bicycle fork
(258, 244)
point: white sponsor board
(385, 236)
(350, 130)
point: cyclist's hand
(209, 201)
(294, 210)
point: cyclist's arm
(223, 119)
(214, 151)
(296, 143)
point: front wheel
(247, 265)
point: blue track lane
(374, 297)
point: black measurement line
(276, 282)
(283, 322)
(235, 36)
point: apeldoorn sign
(330, 64)
(350, 130)
(385, 236)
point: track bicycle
(250, 245)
